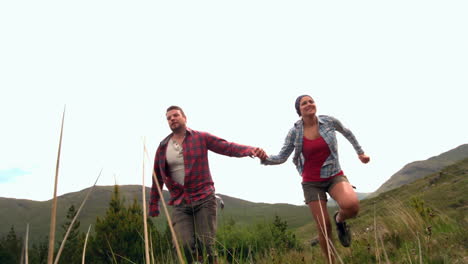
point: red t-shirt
(315, 152)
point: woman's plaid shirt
(327, 127)
(198, 183)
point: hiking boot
(344, 234)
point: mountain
(419, 169)
(445, 190)
(20, 212)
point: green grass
(420, 169)
(421, 222)
(430, 213)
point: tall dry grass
(26, 245)
(166, 211)
(84, 246)
(53, 213)
(145, 224)
(397, 229)
(62, 245)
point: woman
(313, 138)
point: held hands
(364, 158)
(260, 153)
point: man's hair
(175, 107)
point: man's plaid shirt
(327, 127)
(198, 183)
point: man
(181, 163)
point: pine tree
(119, 235)
(283, 238)
(39, 251)
(10, 248)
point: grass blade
(383, 249)
(53, 213)
(377, 251)
(151, 250)
(408, 255)
(74, 219)
(168, 217)
(324, 232)
(112, 251)
(124, 258)
(227, 251)
(145, 224)
(84, 246)
(334, 251)
(26, 242)
(420, 251)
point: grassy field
(421, 222)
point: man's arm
(231, 149)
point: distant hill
(419, 169)
(445, 190)
(19, 212)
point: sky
(394, 72)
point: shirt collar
(320, 120)
(300, 122)
(166, 140)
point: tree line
(118, 237)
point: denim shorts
(314, 191)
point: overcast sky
(394, 72)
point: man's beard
(179, 128)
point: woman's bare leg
(347, 200)
(320, 214)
